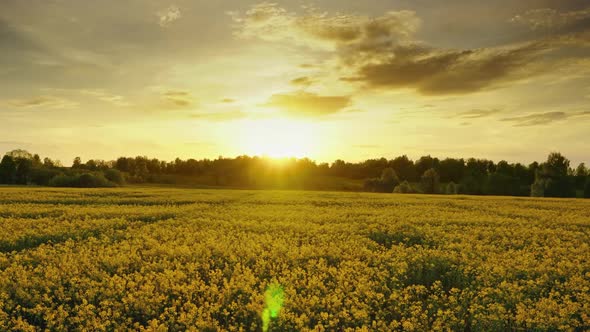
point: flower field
(163, 259)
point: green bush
(404, 188)
(115, 176)
(452, 188)
(84, 180)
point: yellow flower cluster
(201, 260)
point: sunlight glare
(277, 138)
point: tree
(425, 163)
(556, 165)
(581, 170)
(472, 185)
(388, 180)
(580, 175)
(37, 161)
(7, 170)
(538, 189)
(91, 165)
(77, 163)
(385, 184)
(430, 182)
(451, 170)
(404, 188)
(404, 168)
(20, 154)
(552, 177)
(587, 188)
(23, 170)
(502, 184)
(504, 168)
(48, 162)
(451, 189)
(115, 176)
(123, 164)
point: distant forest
(429, 175)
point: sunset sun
(277, 138)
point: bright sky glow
(325, 79)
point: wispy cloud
(477, 113)
(543, 118)
(302, 103)
(303, 81)
(44, 101)
(168, 16)
(104, 96)
(551, 19)
(178, 99)
(269, 21)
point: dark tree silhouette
(552, 178)
(430, 182)
(7, 170)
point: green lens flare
(273, 298)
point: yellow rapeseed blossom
(202, 260)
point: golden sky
(325, 79)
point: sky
(327, 79)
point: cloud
(543, 118)
(477, 113)
(178, 99)
(269, 21)
(228, 100)
(168, 15)
(302, 103)
(551, 19)
(307, 66)
(106, 97)
(382, 52)
(302, 81)
(438, 72)
(44, 101)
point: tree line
(554, 177)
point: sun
(277, 138)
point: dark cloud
(436, 72)
(382, 52)
(543, 118)
(308, 104)
(549, 19)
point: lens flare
(273, 298)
